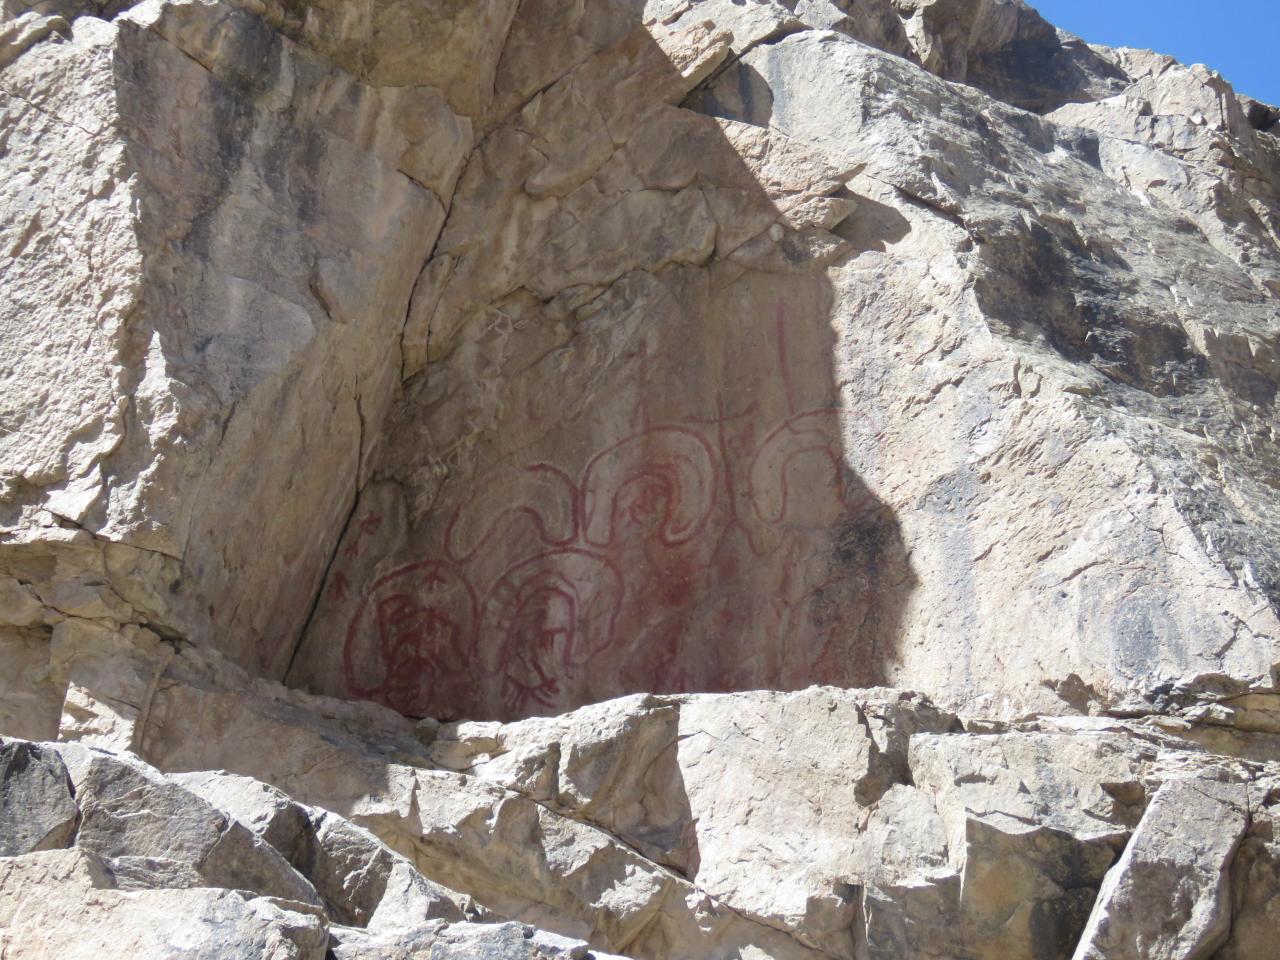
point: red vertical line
(780, 325)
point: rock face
(835, 402)
(667, 479)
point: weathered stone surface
(1179, 136)
(1020, 831)
(901, 833)
(370, 886)
(1170, 893)
(63, 904)
(110, 678)
(599, 414)
(986, 205)
(1255, 879)
(269, 813)
(37, 809)
(463, 941)
(730, 537)
(515, 856)
(204, 128)
(30, 702)
(850, 820)
(345, 757)
(152, 833)
(361, 882)
(708, 784)
(661, 524)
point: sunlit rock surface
(665, 479)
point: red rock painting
(720, 550)
(622, 577)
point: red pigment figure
(627, 543)
(423, 617)
(417, 644)
(539, 647)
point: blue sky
(1238, 38)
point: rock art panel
(680, 513)
(726, 548)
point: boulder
(362, 883)
(367, 885)
(274, 818)
(150, 832)
(1169, 895)
(37, 802)
(64, 904)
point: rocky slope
(480, 478)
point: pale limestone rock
(110, 678)
(362, 883)
(382, 41)
(1169, 895)
(513, 856)
(530, 864)
(1180, 136)
(1255, 879)
(777, 787)
(975, 844)
(988, 235)
(463, 941)
(198, 340)
(372, 887)
(706, 784)
(30, 701)
(651, 500)
(19, 606)
(990, 845)
(600, 195)
(794, 809)
(63, 904)
(142, 831)
(1025, 828)
(347, 758)
(269, 813)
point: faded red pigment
(653, 568)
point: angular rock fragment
(1169, 895)
(1255, 881)
(63, 904)
(152, 833)
(362, 883)
(37, 806)
(269, 813)
(369, 886)
(1027, 825)
(756, 798)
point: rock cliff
(782, 479)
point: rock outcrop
(655, 478)
(822, 823)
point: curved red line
(491, 528)
(585, 496)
